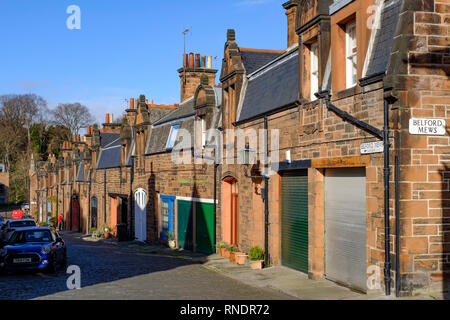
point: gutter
(288, 106)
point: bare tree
(73, 116)
(23, 111)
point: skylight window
(172, 137)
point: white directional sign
(431, 127)
(372, 147)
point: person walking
(60, 221)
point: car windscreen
(22, 224)
(31, 236)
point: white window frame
(351, 55)
(314, 72)
(203, 128)
(172, 136)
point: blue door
(167, 225)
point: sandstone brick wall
(424, 90)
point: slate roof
(253, 60)
(110, 154)
(186, 109)
(80, 174)
(384, 38)
(108, 138)
(272, 87)
(185, 117)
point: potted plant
(172, 243)
(256, 256)
(106, 231)
(114, 232)
(232, 250)
(221, 248)
(241, 258)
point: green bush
(53, 221)
(232, 248)
(256, 254)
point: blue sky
(124, 48)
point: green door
(185, 225)
(204, 216)
(294, 221)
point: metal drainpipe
(63, 212)
(89, 205)
(397, 226)
(215, 203)
(266, 196)
(104, 198)
(387, 252)
(131, 222)
(70, 206)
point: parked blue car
(34, 249)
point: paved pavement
(131, 270)
(298, 285)
(118, 272)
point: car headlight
(45, 250)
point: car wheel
(64, 262)
(52, 268)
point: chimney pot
(191, 60)
(203, 64)
(132, 103)
(231, 35)
(111, 118)
(185, 61)
(197, 60)
(107, 118)
(209, 63)
(136, 103)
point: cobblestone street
(113, 272)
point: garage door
(185, 225)
(345, 226)
(204, 231)
(294, 221)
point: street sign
(429, 127)
(372, 147)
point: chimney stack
(291, 13)
(191, 77)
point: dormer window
(314, 75)
(351, 53)
(172, 137)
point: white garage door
(345, 226)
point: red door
(75, 215)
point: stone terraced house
(316, 152)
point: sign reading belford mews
(431, 127)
